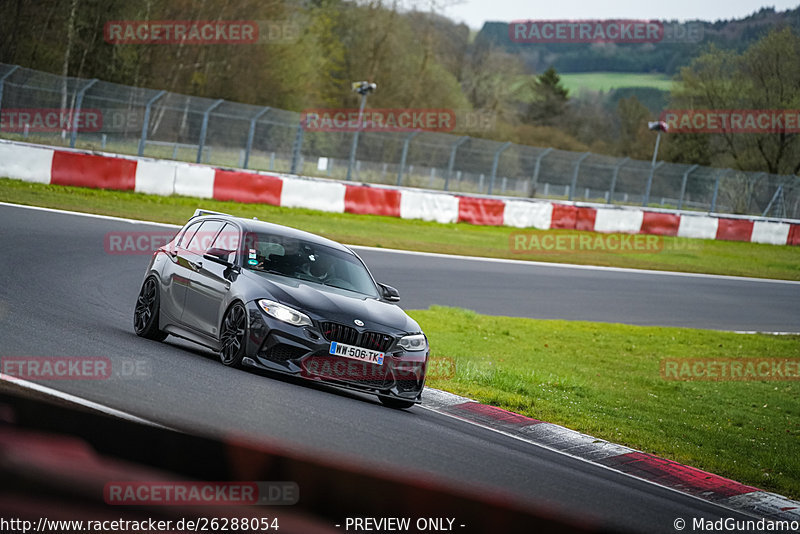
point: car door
(210, 283)
(176, 274)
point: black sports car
(279, 299)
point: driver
(320, 266)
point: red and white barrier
(313, 194)
(521, 214)
(194, 180)
(47, 165)
(155, 177)
(427, 206)
(24, 162)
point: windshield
(307, 261)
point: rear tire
(396, 404)
(146, 313)
(233, 335)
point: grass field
(605, 81)
(605, 380)
(672, 254)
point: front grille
(340, 333)
(350, 336)
(376, 341)
(283, 353)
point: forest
(309, 52)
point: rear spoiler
(201, 212)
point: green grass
(678, 254)
(604, 380)
(605, 81)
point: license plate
(356, 353)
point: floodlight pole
(355, 136)
(659, 126)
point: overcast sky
(476, 12)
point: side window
(226, 244)
(202, 239)
(188, 234)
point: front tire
(396, 404)
(232, 336)
(146, 313)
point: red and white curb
(62, 166)
(667, 473)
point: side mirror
(218, 256)
(389, 293)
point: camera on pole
(363, 88)
(658, 126)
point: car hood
(331, 304)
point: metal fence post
(536, 168)
(204, 128)
(298, 146)
(495, 163)
(614, 180)
(774, 198)
(252, 133)
(575, 174)
(404, 155)
(716, 190)
(354, 147)
(646, 198)
(146, 121)
(683, 184)
(3, 81)
(452, 161)
(752, 180)
(653, 169)
(77, 112)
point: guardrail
(54, 165)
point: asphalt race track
(61, 294)
(589, 294)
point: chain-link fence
(38, 107)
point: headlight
(414, 342)
(284, 313)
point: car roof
(255, 225)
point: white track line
(530, 263)
(90, 215)
(584, 460)
(573, 266)
(78, 400)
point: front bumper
(302, 351)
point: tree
(635, 140)
(550, 99)
(763, 77)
